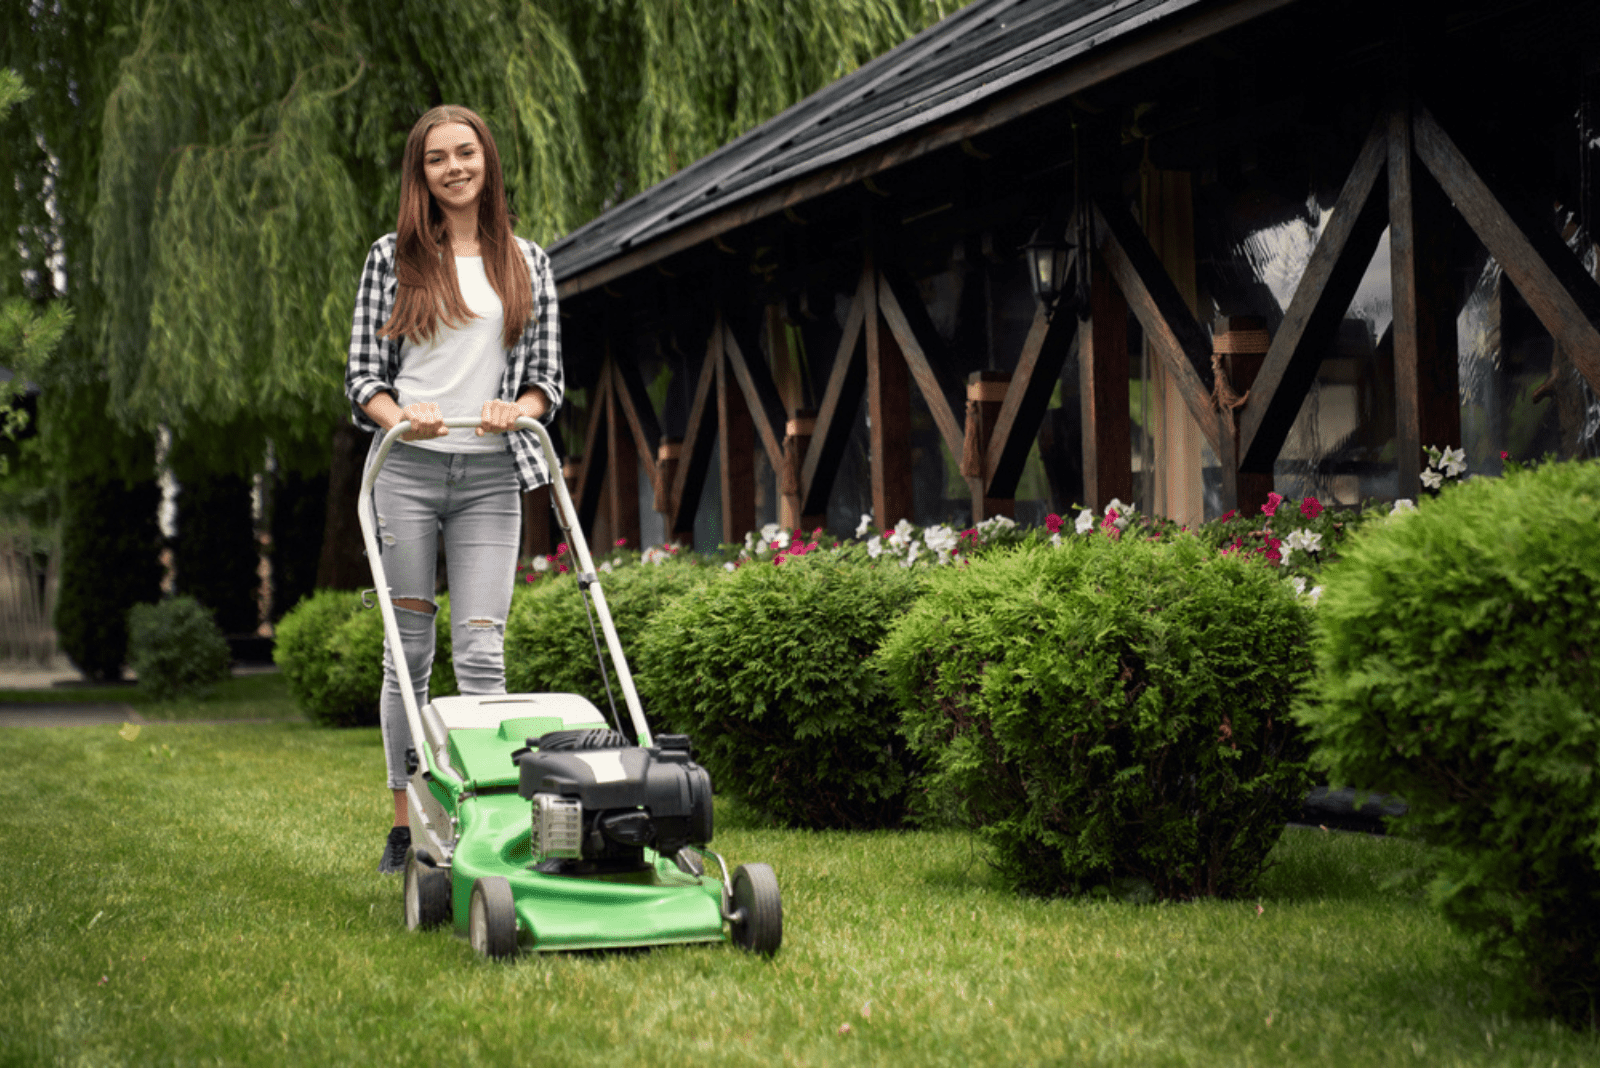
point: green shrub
(548, 645)
(110, 561)
(771, 671)
(1111, 714)
(330, 649)
(175, 647)
(1460, 667)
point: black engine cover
(614, 781)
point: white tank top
(461, 367)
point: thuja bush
(1112, 715)
(330, 650)
(110, 549)
(1460, 667)
(175, 647)
(549, 648)
(771, 671)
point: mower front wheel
(757, 923)
(492, 918)
(427, 891)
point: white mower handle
(568, 514)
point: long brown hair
(424, 262)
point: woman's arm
(373, 361)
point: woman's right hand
(426, 421)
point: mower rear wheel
(427, 891)
(492, 918)
(758, 910)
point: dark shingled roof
(985, 49)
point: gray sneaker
(394, 851)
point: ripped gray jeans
(474, 500)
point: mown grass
(261, 696)
(207, 894)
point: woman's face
(452, 160)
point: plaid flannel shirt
(535, 360)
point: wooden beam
(1044, 351)
(840, 401)
(986, 396)
(736, 430)
(1169, 326)
(1317, 308)
(1547, 274)
(1427, 386)
(592, 477)
(634, 401)
(1103, 393)
(622, 472)
(889, 416)
(763, 405)
(536, 524)
(980, 110)
(908, 322)
(699, 437)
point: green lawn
(264, 696)
(206, 894)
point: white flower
(911, 555)
(1055, 539)
(762, 546)
(1085, 522)
(865, 524)
(749, 540)
(782, 540)
(729, 566)
(1124, 512)
(654, 555)
(541, 564)
(1299, 583)
(874, 547)
(1432, 479)
(1404, 504)
(770, 532)
(995, 524)
(607, 567)
(1315, 594)
(903, 532)
(1304, 540)
(1455, 462)
(942, 540)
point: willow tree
(246, 155)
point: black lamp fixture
(1050, 255)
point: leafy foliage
(1458, 660)
(325, 652)
(175, 648)
(109, 550)
(1110, 714)
(771, 671)
(549, 648)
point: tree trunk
(343, 564)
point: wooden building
(1296, 242)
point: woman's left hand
(499, 416)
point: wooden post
(536, 524)
(796, 440)
(889, 413)
(668, 453)
(1427, 386)
(986, 395)
(1243, 347)
(1103, 393)
(622, 475)
(738, 456)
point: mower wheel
(427, 891)
(492, 918)
(757, 909)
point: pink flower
(1230, 514)
(529, 578)
(1052, 523)
(1504, 455)
(621, 542)
(562, 568)
(1311, 508)
(1271, 507)
(561, 550)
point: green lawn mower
(536, 825)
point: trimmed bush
(110, 561)
(1111, 715)
(548, 645)
(330, 649)
(1460, 668)
(175, 647)
(771, 671)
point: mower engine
(598, 801)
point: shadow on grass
(1316, 865)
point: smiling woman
(455, 318)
